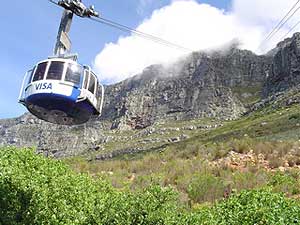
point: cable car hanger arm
(77, 7)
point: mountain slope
(203, 85)
(200, 92)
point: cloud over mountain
(195, 26)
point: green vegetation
(261, 124)
(36, 190)
(257, 207)
(241, 154)
(243, 172)
(248, 95)
(268, 124)
(206, 173)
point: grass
(248, 95)
(211, 163)
(39, 190)
(151, 138)
(260, 124)
(187, 171)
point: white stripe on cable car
(49, 86)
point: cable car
(60, 90)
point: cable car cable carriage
(59, 89)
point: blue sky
(29, 30)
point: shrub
(281, 182)
(205, 187)
(249, 180)
(257, 207)
(36, 190)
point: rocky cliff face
(203, 85)
(50, 139)
(219, 84)
(285, 69)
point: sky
(29, 32)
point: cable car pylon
(59, 89)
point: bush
(154, 206)
(36, 190)
(284, 182)
(257, 207)
(205, 188)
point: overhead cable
(282, 22)
(136, 32)
(139, 33)
(297, 24)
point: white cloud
(195, 26)
(265, 15)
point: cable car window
(96, 87)
(98, 91)
(73, 74)
(40, 71)
(86, 79)
(99, 96)
(31, 75)
(55, 71)
(92, 83)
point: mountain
(285, 70)
(210, 87)
(202, 85)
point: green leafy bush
(151, 206)
(36, 190)
(284, 182)
(205, 187)
(257, 207)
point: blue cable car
(61, 91)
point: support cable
(297, 24)
(139, 33)
(282, 22)
(99, 19)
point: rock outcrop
(285, 70)
(50, 139)
(203, 85)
